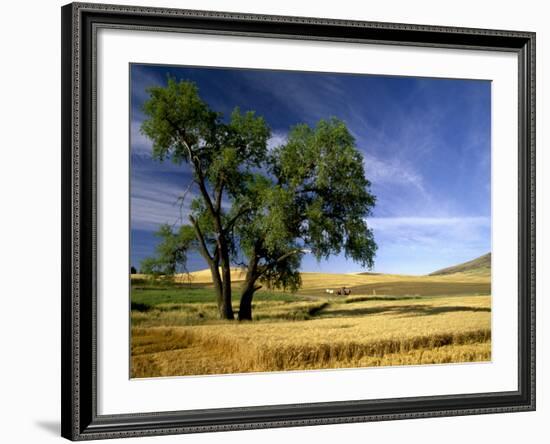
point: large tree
(259, 208)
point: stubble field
(387, 320)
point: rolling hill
(480, 266)
(475, 271)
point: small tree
(307, 195)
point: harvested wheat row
(218, 356)
(354, 334)
(273, 357)
(289, 356)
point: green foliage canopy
(256, 207)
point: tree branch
(181, 200)
(202, 187)
(284, 256)
(185, 144)
(204, 249)
(234, 219)
(198, 169)
(272, 264)
(219, 198)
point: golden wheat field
(387, 320)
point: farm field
(386, 320)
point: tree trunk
(245, 307)
(224, 301)
(221, 286)
(249, 288)
(225, 310)
(226, 280)
(226, 292)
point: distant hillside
(480, 265)
(204, 276)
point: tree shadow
(346, 312)
(407, 310)
(428, 310)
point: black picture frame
(80, 420)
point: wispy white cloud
(392, 171)
(277, 138)
(154, 202)
(408, 142)
(311, 98)
(420, 245)
(388, 223)
(149, 214)
(140, 144)
(438, 237)
(142, 79)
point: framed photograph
(282, 221)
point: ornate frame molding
(80, 22)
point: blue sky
(426, 145)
